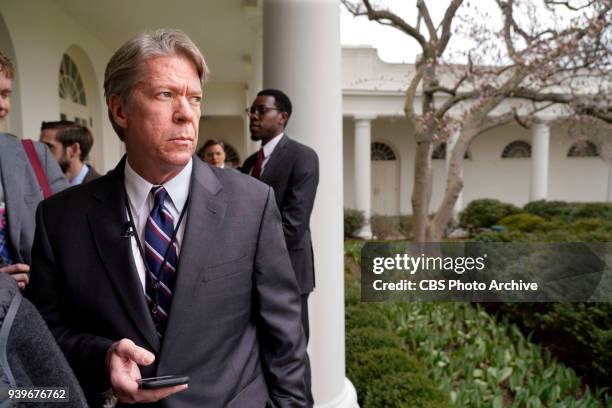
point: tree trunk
(454, 185)
(421, 193)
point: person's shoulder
(79, 194)
(237, 183)
(92, 173)
(300, 148)
(8, 140)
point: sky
(392, 45)
(395, 46)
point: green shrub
(506, 236)
(405, 225)
(366, 315)
(404, 390)
(373, 364)
(353, 222)
(580, 334)
(385, 226)
(588, 225)
(486, 212)
(592, 210)
(352, 292)
(568, 212)
(549, 209)
(360, 340)
(524, 222)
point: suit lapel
(108, 221)
(274, 165)
(13, 164)
(203, 226)
(248, 164)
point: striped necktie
(161, 260)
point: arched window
(517, 149)
(439, 153)
(70, 82)
(381, 152)
(231, 155)
(583, 148)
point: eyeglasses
(260, 110)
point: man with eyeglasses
(292, 170)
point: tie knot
(159, 195)
(260, 154)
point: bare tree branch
(386, 17)
(582, 105)
(424, 12)
(410, 97)
(446, 25)
(567, 4)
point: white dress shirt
(81, 176)
(268, 148)
(141, 202)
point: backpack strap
(28, 146)
(5, 330)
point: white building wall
(486, 174)
(397, 133)
(229, 129)
(41, 33)
(574, 178)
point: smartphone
(152, 383)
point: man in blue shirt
(70, 144)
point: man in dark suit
(292, 170)
(174, 273)
(70, 144)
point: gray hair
(126, 67)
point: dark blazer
(22, 192)
(234, 326)
(293, 172)
(92, 174)
(29, 355)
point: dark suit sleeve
(86, 353)
(248, 164)
(57, 181)
(278, 313)
(299, 197)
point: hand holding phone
(123, 359)
(152, 383)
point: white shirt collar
(268, 148)
(81, 176)
(138, 188)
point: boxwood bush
(549, 209)
(486, 212)
(353, 222)
(579, 334)
(374, 352)
(525, 223)
(404, 390)
(568, 211)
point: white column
(363, 171)
(609, 193)
(253, 15)
(539, 161)
(450, 145)
(302, 57)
